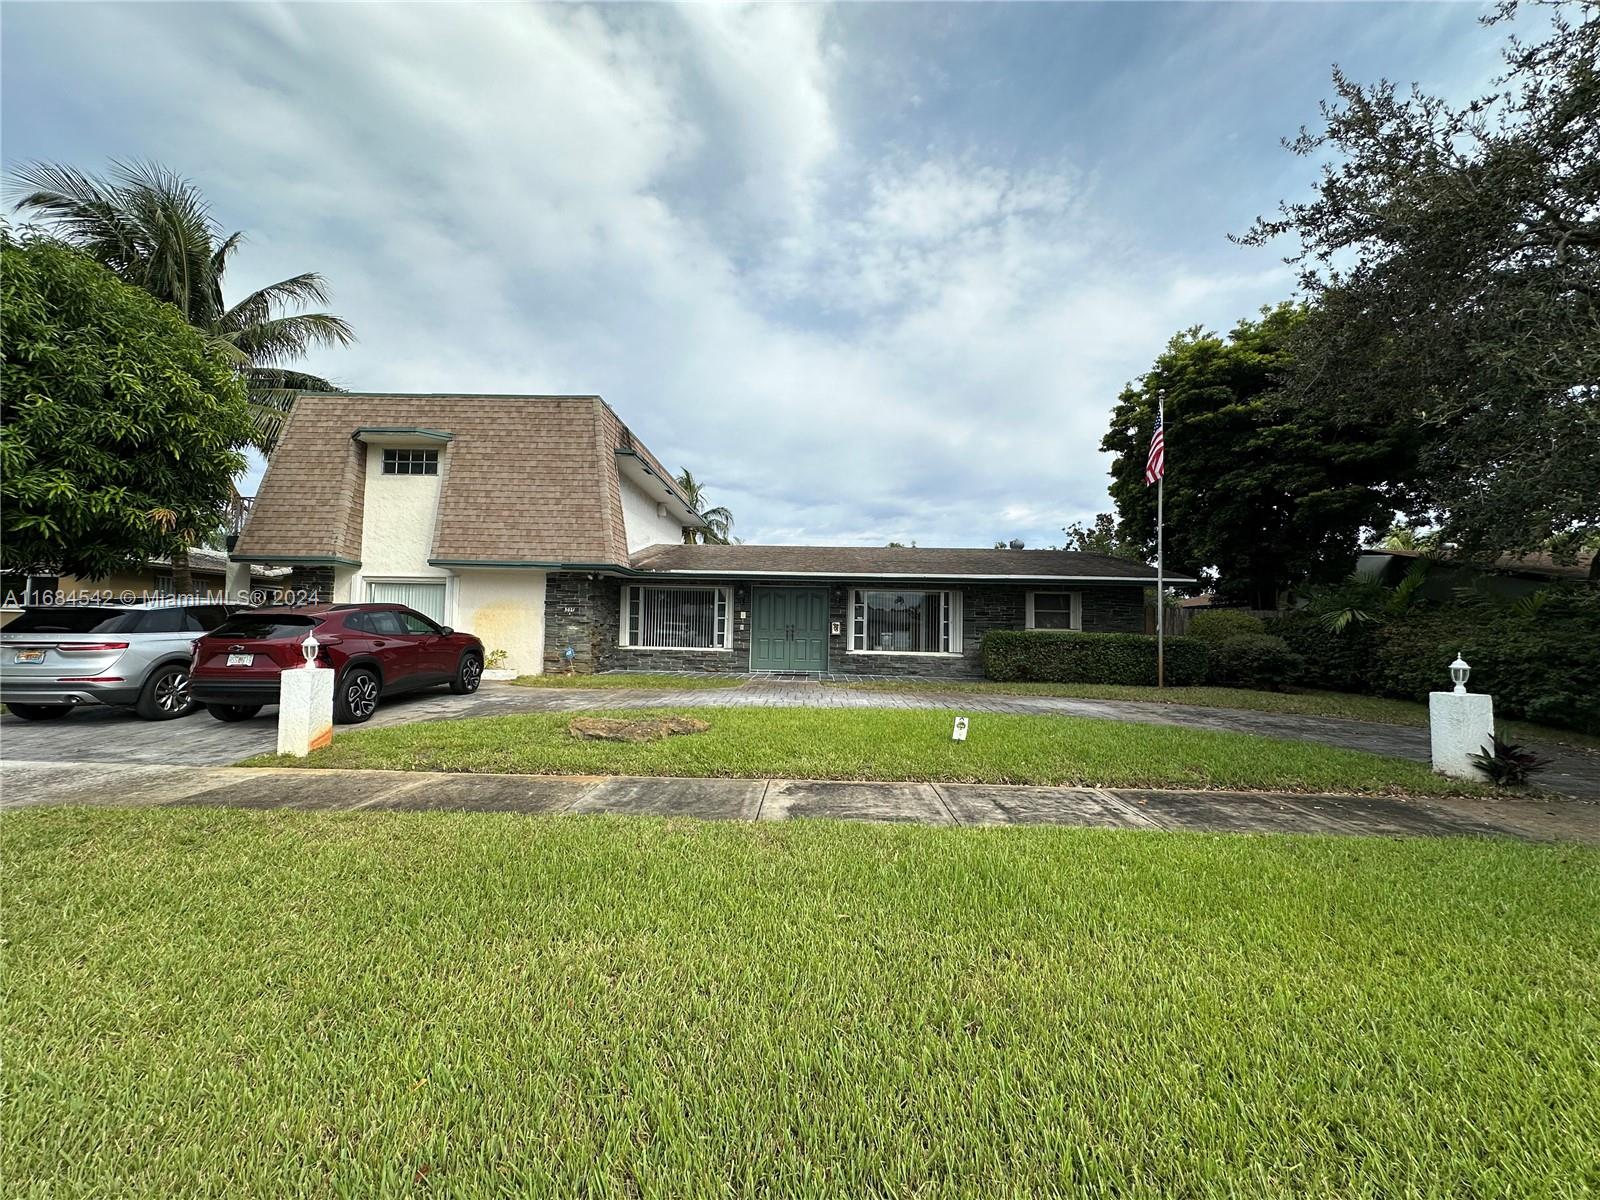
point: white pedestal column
(305, 710)
(1461, 725)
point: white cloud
(851, 342)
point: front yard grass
(809, 743)
(209, 1003)
(630, 679)
(1316, 704)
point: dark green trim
(435, 435)
(296, 560)
(614, 568)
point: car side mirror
(446, 631)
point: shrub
(1056, 656)
(1255, 661)
(1346, 661)
(1507, 764)
(1539, 664)
(1216, 625)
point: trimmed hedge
(1336, 662)
(1539, 665)
(1255, 661)
(1057, 656)
(1216, 625)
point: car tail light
(87, 647)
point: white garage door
(426, 598)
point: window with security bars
(906, 622)
(674, 618)
(410, 462)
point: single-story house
(543, 525)
(1509, 576)
(149, 580)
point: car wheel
(233, 712)
(165, 694)
(39, 712)
(357, 698)
(468, 675)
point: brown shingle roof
(526, 479)
(863, 562)
(1540, 563)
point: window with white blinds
(673, 618)
(424, 596)
(902, 621)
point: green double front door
(789, 631)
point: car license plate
(27, 656)
(241, 660)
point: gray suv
(56, 659)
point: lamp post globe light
(309, 648)
(1459, 671)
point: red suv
(377, 650)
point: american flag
(1155, 464)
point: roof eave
(846, 576)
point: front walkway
(36, 783)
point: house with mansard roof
(544, 526)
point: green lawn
(810, 743)
(224, 1003)
(631, 679)
(1317, 704)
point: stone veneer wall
(584, 613)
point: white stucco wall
(345, 589)
(397, 522)
(640, 521)
(505, 608)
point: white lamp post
(1460, 724)
(309, 648)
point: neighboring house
(135, 584)
(1509, 577)
(542, 525)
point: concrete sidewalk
(29, 784)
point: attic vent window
(410, 462)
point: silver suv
(56, 659)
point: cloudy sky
(873, 272)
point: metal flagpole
(1161, 562)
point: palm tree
(155, 230)
(719, 521)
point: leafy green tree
(120, 425)
(155, 230)
(719, 521)
(1451, 255)
(1101, 538)
(1262, 494)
